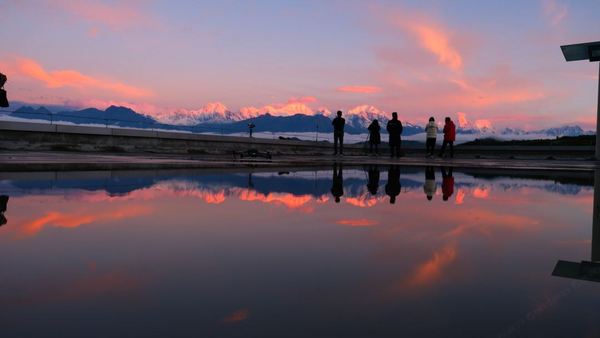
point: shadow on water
(586, 270)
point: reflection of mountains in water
(315, 183)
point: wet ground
(370, 251)
(56, 161)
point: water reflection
(447, 183)
(373, 179)
(337, 182)
(393, 186)
(586, 270)
(223, 254)
(429, 187)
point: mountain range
(217, 119)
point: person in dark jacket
(393, 186)
(447, 183)
(338, 133)
(373, 183)
(394, 129)
(3, 98)
(449, 137)
(3, 205)
(374, 137)
(337, 185)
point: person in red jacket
(449, 137)
(447, 183)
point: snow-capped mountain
(567, 130)
(215, 112)
(285, 118)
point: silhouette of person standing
(394, 129)
(374, 137)
(393, 187)
(338, 133)
(429, 187)
(3, 205)
(337, 185)
(449, 137)
(373, 183)
(447, 183)
(250, 127)
(3, 97)
(431, 130)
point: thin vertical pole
(596, 220)
(598, 118)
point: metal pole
(598, 118)
(596, 219)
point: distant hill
(216, 118)
(582, 140)
(113, 115)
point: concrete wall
(41, 136)
(38, 136)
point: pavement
(75, 161)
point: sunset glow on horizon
(493, 65)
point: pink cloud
(74, 79)
(303, 99)
(359, 89)
(114, 15)
(554, 11)
(431, 270)
(436, 40)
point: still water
(321, 253)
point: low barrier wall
(40, 136)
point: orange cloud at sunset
(436, 41)
(431, 270)
(75, 79)
(362, 222)
(362, 201)
(74, 220)
(359, 89)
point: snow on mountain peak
(211, 112)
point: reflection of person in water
(373, 183)
(250, 183)
(3, 203)
(447, 183)
(337, 186)
(392, 188)
(429, 187)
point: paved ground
(58, 161)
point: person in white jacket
(431, 130)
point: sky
(491, 62)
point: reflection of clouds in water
(460, 196)
(362, 222)
(291, 190)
